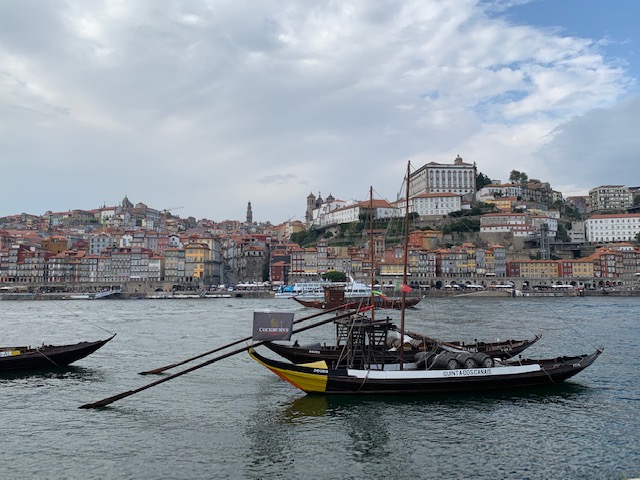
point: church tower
(249, 214)
(311, 204)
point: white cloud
(209, 105)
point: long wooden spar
(109, 400)
(246, 339)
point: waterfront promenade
(266, 294)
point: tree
(464, 225)
(518, 177)
(305, 237)
(562, 233)
(636, 200)
(482, 181)
(334, 276)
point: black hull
(334, 356)
(48, 356)
(314, 379)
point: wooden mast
(371, 253)
(404, 272)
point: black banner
(272, 326)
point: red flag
(405, 288)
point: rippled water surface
(235, 419)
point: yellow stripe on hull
(307, 382)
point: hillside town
(465, 229)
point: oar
(106, 401)
(246, 339)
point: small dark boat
(334, 297)
(317, 377)
(46, 356)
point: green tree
(305, 237)
(482, 181)
(562, 233)
(518, 177)
(334, 276)
(463, 225)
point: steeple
(249, 213)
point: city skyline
(178, 211)
(209, 106)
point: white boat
(315, 290)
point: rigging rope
(83, 318)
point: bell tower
(249, 214)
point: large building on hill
(458, 178)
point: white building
(518, 224)
(494, 190)
(100, 242)
(577, 232)
(621, 227)
(458, 178)
(503, 219)
(431, 204)
(515, 230)
(351, 213)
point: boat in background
(334, 296)
(46, 356)
(315, 290)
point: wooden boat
(334, 297)
(317, 377)
(335, 355)
(355, 336)
(46, 356)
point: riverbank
(267, 294)
(132, 295)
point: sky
(200, 106)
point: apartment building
(621, 227)
(607, 198)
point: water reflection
(336, 405)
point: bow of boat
(309, 377)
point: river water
(235, 419)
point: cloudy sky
(208, 104)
